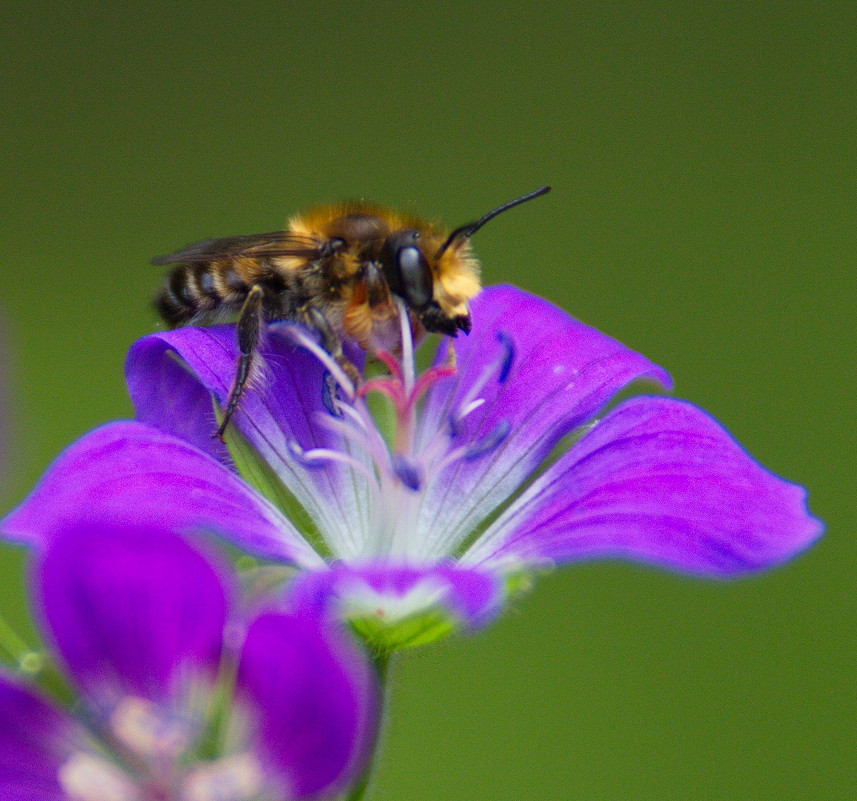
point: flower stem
(382, 668)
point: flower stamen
(328, 395)
(318, 457)
(408, 367)
(456, 417)
(397, 471)
(508, 356)
(407, 472)
(300, 336)
(490, 442)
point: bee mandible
(337, 269)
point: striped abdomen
(201, 292)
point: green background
(703, 159)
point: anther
(407, 472)
(329, 389)
(508, 357)
(453, 425)
(489, 442)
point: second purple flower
(182, 695)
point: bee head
(408, 274)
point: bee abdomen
(194, 292)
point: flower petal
(552, 374)
(660, 481)
(134, 612)
(394, 607)
(132, 473)
(35, 740)
(167, 396)
(313, 699)
(280, 408)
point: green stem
(382, 666)
(215, 727)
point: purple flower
(415, 503)
(180, 699)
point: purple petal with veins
(660, 481)
(551, 374)
(132, 473)
(283, 405)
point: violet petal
(657, 480)
(35, 741)
(313, 699)
(279, 407)
(558, 373)
(132, 611)
(472, 597)
(132, 473)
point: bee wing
(276, 243)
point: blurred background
(705, 191)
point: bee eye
(416, 281)
(406, 269)
(409, 261)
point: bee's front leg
(249, 329)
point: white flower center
(87, 777)
(234, 778)
(144, 759)
(398, 472)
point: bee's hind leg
(249, 329)
(330, 341)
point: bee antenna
(466, 231)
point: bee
(338, 269)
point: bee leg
(249, 330)
(314, 318)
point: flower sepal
(389, 627)
(394, 608)
(384, 635)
